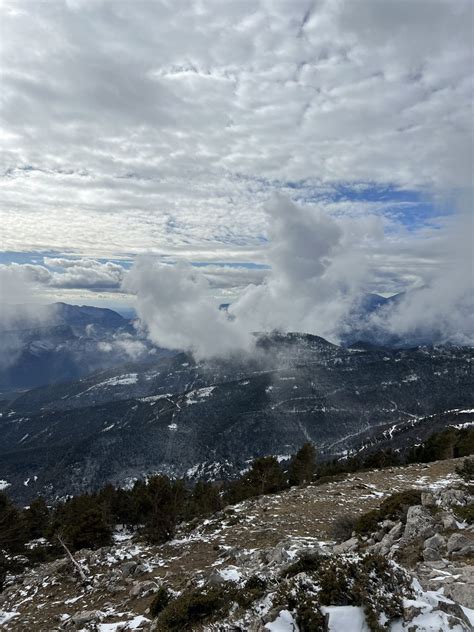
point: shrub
(194, 608)
(370, 581)
(306, 563)
(466, 513)
(308, 614)
(466, 470)
(343, 527)
(395, 507)
(161, 599)
(367, 522)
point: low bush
(466, 513)
(194, 608)
(343, 527)
(395, 507)
(466, 470)
(306, 563)
(161, 599)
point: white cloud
(319, 267)
(174, 305)
(155, 126)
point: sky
(183, 136)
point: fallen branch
(76, 564)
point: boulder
(459, 542)
(428, 499)
(396, 532)
(447, 520)
(454, 610)
(419, 524)
(346, 547)
(461, 592)
(435, 542)
(80, 618)
(141, 589)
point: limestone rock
(128, 568)
(80, 618)
(347, 546)
(459, 542)
(428, 499)
(420, 523)
(141, 589)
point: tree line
(154, 507)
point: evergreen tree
(265, 476)
(303, 465)
(37, 519)
(167, 502)
(13, 534)
(82, 522)
(205, 499)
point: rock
(80, 618)
(419, 523)
(431, 555)
(461, 592)
(460, 541)
(141, 589)
(450, 497)
(141, 569)
(410, 611)
(215, 579)
(435, 542)
(128, 568)
(447, 520)
(347, 546)
(454, 610)
(428, 499)
(396, 532)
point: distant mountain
(181, 417)
(43, 344)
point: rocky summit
(282, 562)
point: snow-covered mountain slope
(178, 416)
(54, 343)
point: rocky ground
(261, 536)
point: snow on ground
(283, 623)
(345, 618)
(133, 624)
(7, 616)
(193, 397)
(4, 484)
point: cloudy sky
(166, 128)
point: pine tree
(265, 476)
(13, 533)
(303, 465)
(37, 519)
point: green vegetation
(160, 601)
(394, 507)
(303, 466)
(451, 443)
(466, 513)
(156, 506)
(371, 582)
(466, 470)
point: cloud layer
(129, 127)
(319, 268)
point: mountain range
(208, 419)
